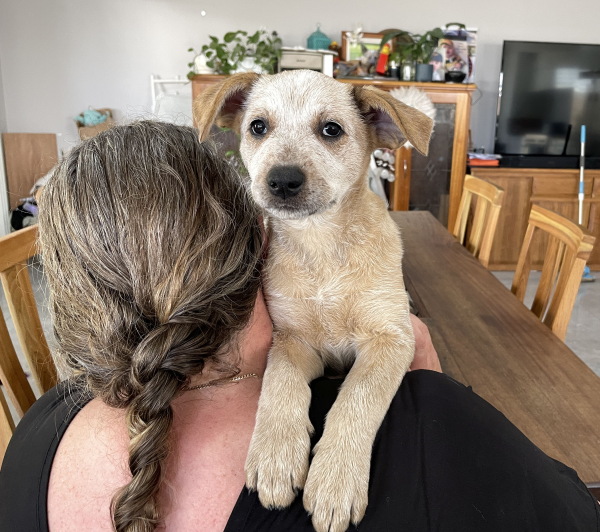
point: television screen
(547, 92)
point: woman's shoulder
(445, 456)
(28, 460)
(89, 466)
(58, 453)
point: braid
(152, 251)
(149, 420)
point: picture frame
(350, 52)
(461, 50)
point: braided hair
(152, 250)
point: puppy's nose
(285, 181)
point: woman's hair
(152, 250)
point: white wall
(59, 56)
(4, 203)
(3, 125)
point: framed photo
(460, 51)
(351, 51)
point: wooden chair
(487, 210)
(15, 249)
(568, 250)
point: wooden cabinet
(553, 189)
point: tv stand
(548, 161)
(554, 189)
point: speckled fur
(333, 281)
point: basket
(87, 132)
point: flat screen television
(547, 92)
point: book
(484, 162)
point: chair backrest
(568, 250)
(15, 249)
(487, 210)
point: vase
(424, 72)
(249, 65)
(406, 72)
(200, 66)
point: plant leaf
(460, 25)
(390, 35)
(230, 36)
(437, 33)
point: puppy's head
(306, 138)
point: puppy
(333, 278)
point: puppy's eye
(331, 129)
(258, 127)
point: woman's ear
(222, 103)
(393, 122)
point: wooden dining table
(487, 339)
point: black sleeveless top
(443, 460)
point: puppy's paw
(337, 487)
(277, 461)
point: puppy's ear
(222, 103)
(392, 121)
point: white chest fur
(328, 283)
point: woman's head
(152, 250)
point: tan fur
(225, 97)
(333, 282)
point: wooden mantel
(458, 94)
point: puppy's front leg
(277, 461)
(336, 490)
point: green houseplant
(401, 43)
(240, 51)
(423, 47)
(418, 47)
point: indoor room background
(57, 57)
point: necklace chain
(233, 379)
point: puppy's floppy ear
(392, 121)
(222, 103)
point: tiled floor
(583, 336)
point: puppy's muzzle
(285, 181)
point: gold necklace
(213, 383)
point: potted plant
(423, 47)
(239, 52)
(401, 43)
(417, 48)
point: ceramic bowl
(455, 76)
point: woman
(153, 254)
